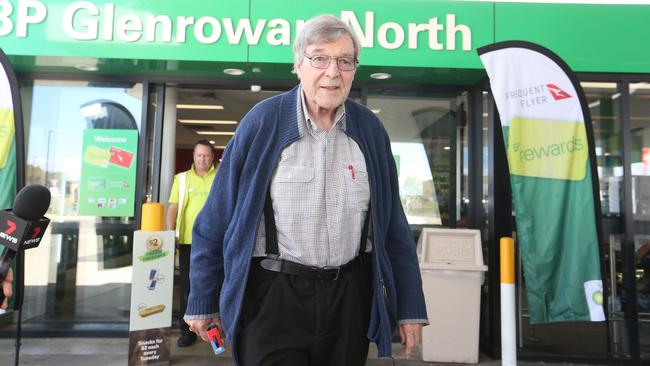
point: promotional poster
(108, 172)
(151, 297)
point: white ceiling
(236, 103)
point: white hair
(324, 28)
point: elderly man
(303, 251)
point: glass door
(81, 272)
(428, 134)
(640, 171)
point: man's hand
(200, 326)
(411, 336)
(6, 288)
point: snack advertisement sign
(152, 288)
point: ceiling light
(376, 111)
(381, 75)
(639, 86)
(207, 122)
(87, 67)
(234, 72)
(447, 148)
(213, 142)
(218, 133)
(199, 106)
(597, 85)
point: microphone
(23, 226)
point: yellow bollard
(507, 260)
(152, 217)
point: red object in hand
(215, 339)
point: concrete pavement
(114, 352)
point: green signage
(393, 33)
(426, 33)
(590, 38)
(108, 168)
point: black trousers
(184, 251)
(289, 320)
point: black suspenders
(272, 250)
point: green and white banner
(554, 181)
(7, 135)
(9, 100)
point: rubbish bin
(451, 263)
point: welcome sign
(108, 167)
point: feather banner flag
(549, 144)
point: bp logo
(597, 297)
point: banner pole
(508, 311)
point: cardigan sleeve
(207, 267)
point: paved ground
(114, 351)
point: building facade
(177, 73)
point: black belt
(309, 272)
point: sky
(55, 116)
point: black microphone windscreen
(32, 202)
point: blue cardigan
(224, 233)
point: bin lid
(453, 267)
(458, 249)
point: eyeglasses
(323, 62)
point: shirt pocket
(357, 185)
(293, 187)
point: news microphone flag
(23, 227)
(549, 144)
(17, 233)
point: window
(82, 269)
(428, 136)
(640, 169)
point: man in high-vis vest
(189, 192)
